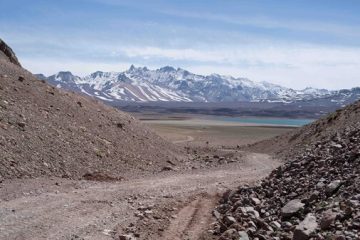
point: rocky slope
(45, 131)
(140, 84)
(295, 142)
(7, 53)
(314, 195)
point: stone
(336, 145)
(314, 196)
(328, 218)
(292, 208)
(148, 212)
(21, 78)
(287, 224)
(255, 201)
(216, 214)
(229, 220)
(339, 237)
(168, 168)
(250, 211)
(243, 235)
(275, 224)
(21, 124)
(305, 228)
(332, 187)
(230, 234)
(126, 237)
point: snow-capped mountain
(170, 84)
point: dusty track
(191, 220)
(42, 209)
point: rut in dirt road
(191, 220)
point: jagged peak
(132, 67)
(96, 74)
(167, 69)
(64, 73)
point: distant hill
(296, 142)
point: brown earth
(205, 132)
(45, 131)
(294, 142)
(58, 208)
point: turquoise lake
(268, 121)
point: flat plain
(202, 130)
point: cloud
(292, 64)
(259, 56)
(49, 66)
(325, 77)
(265, 22)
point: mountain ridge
(140, 84)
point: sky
(294, 43)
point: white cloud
(266, 22)
(279, 56)
(49, 66)
(296, 67)
(319, 77)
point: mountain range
(140, 84)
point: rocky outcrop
(8, 53)
(314, 195)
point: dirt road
(171, 205)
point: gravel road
(170, 205)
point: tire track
(191, 220)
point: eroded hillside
(45, 131)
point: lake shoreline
(206, 120)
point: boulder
(243, 235)
(229, 220)
(328, 218)
(305, 228)
(292, 208)
(255, 201)
(275, 224)
(332, 187)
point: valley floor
(169, 205)
(203, 131)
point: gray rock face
(292, 208)
(305, 228)
(8, 53)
